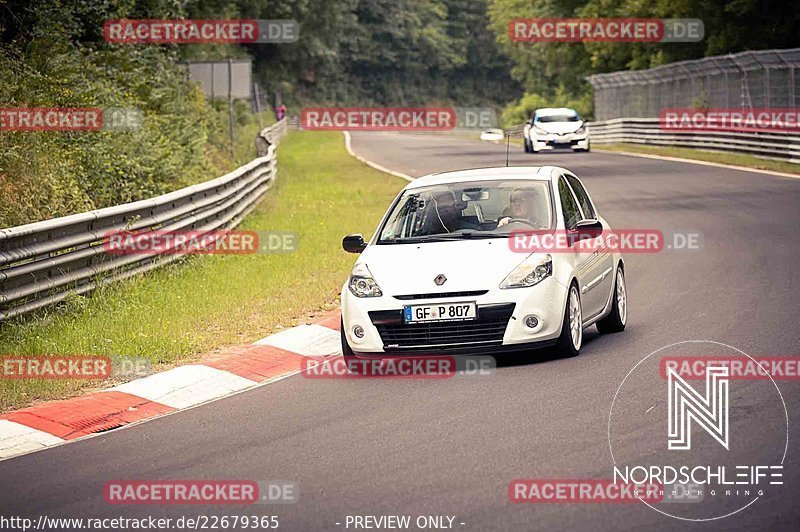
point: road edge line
(376, 166)
(697, 161)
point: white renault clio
(441, 276)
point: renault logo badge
(439, 279)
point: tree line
(350, 52)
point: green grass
(205, 303)
(735, 159)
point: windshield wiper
(444, 237)
(410, 240)
(468, 235)
(457, 236)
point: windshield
(479, 209)
(558, 118)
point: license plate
(440, 312)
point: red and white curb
(270, 359)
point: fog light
(531, 321)
(358, 331)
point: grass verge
(207, 302)
(735, 159)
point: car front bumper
(499, 326)
(553, 141)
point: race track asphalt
(451, 447)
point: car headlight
(362, 284)
(581, 130)
(539, 131)
(529, 273)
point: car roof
(549, 111)
(492, 173)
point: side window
(572, 213)
(583, 197)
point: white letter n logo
(710, 412)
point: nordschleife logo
(709, 411)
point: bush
(183, 138)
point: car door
(588, 267)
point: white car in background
(439, 276)
(493, 135)
(553, 128)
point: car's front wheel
(616, 319)
(569, 343)
(527, 145)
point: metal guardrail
(45, 262)
(270, 136)
(772, 144)
(514, 132)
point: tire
(569, 345)
(527, 145)
(347, 353)
(616, 319)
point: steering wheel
(522, 221)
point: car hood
(560, 127)
(402, 269)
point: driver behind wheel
(524, 204)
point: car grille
(487, 329)
(562, 143)
(468, 293)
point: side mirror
(354, 243)
(585, 230)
